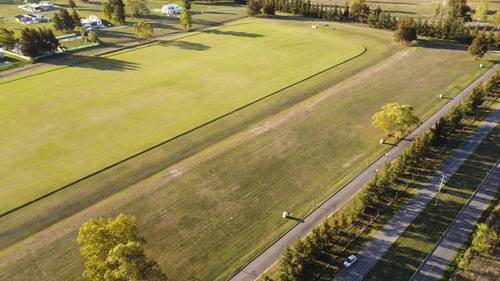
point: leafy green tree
(37, 42)
(495, 19)
(76, 18)
(118, 10)
(479, 46)
(345, 14)
(459, 9)
(395, 118)
(475, 99)
(143, 31)
(254, 7)
(326, 231)
(484, 239)
(7, 38)
(71, 4)
(359, 11)
(186, 4)
(437, 10)
(137, 8)
(268, 7)
(186, 21)
(107, 10)
(93, 36)
(286, 264)
(113, 249)
(406, 31)
(481, 11)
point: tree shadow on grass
(184, 45)
(232, 33)
(443, 45)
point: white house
(91, 21)
(29, 19)
(171, 9)
(43, 6)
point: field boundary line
(177, 136)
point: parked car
(350, 260)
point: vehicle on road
(350, 260)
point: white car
(350, 260)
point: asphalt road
(438, 259)
(272, 253)
(384, 238)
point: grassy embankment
(299, 156)
(410, 249)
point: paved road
(384, 238)
(271, 254)
(438, 259)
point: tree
(37, 42)
(93, 36)
(7, 38)
(495, 19)
(143, 31)
(107, 10)
(71, 4)
(459, 9)
(359, 11)
(186, 21)
(113, 249)
(137, 8)
(254, 7)
(481, 11)
(76, 18)
(484, 239)
(269, 8)
(475, 99)
(479, 46)
(406, 32)
(437, 10)
(395, 118)
(118, 10)
(346, 11)
(186, 4)
(286, 264)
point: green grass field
(211, 197)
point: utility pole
(439, 191)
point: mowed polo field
(255, 118)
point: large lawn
(65, 122)
(215, 209)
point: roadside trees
(481, 11)
(186, 21)
(395, 119)
(269, 7)
(113, 249)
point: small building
(43, 6)
(30, 18)
(171, 9)
(91, 21)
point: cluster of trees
(483, 242)
(37, 42)
(65, 21)
(186, 21)
(113, 250)
(306, 251)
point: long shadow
(233, 33)
(184, 45)
(441, 45)
(295, 219)
(392, 3)
(218, 13)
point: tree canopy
(406, 31)
(395, 119)
(479, 46)
(137, 8)
(143, 31)
(7, 38)
(113, 249)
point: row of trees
(382, 186)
